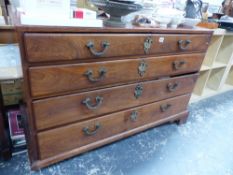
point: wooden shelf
(214, 81)
(216, 74)
(212, 51)
(218, 65)
(204, 68)
(201, 82)
(225, 52)
(229, 79)
(207, 92)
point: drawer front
(55, 80)
(58, 47)
(73, 136)
(67, 109)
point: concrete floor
(203, 146)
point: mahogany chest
(87, 87)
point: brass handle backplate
(88, 132)
(177, 65)
(184, 44)
(89, 105)
(138, 91)
(172, 87)
(142, 68)
(165, 107)
(105, 45)
(147, 44)
(134, 116)
(89, 75)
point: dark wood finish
(45, 162)
(133, 29)
(55, 47)
(54, 61)
(61, 110)
(7, 35)
(63, 139)
(52, 80)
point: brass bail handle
(184, 44)
(89, 75)
(91, 46)
(87, 102)
(177, 65)
(172, 87)
(88, 132)
(165, 107)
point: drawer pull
(183, 44)
(142, 68)
(138, 91)
(177, 65)
(90, 45)
(89, 74)
(87, 103)
(134, 116)
(87, 131)
(172, 87)
(165, 107)
(147, 44)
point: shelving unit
(216, 74)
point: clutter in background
(121, 13)
(56, 13)
(12, 92)
(17, 136)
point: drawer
(61, 110)
(41, 47)
(55, 80)
(60, 140)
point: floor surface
(203, 146)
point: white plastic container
(10, 62)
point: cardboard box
(12, 92)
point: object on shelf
(29, 20)
(193, 9)
(12, 92)
(16, 126)
(10, 62)
(17, 135)
(116, 9)
(168, 17)
(217, 15)
(226, 22)
(227, 7)
(144, 21)
(85, 14)
(191, 22)
(59, 9)
(208, 25)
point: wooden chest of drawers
(85, 87)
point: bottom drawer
(66, 138)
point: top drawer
(41, 47)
